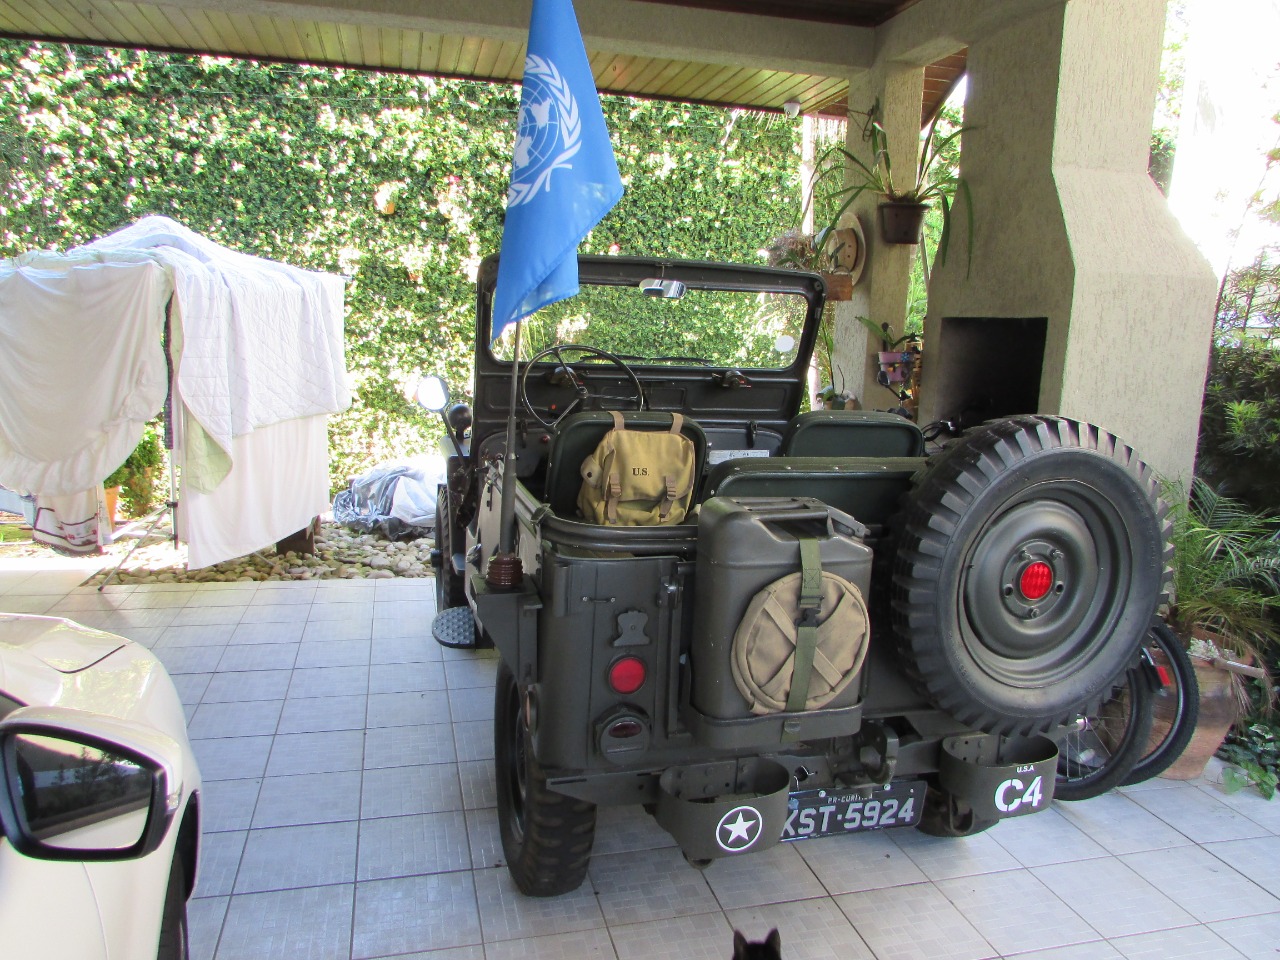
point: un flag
(564, 177)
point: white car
(99, 798)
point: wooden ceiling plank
(690, 78)
(769, 88)
(271, 43)
(468, 55)
(673, 82)
(667, 70)
(90, 20)
(30, 14)
(291, 38)
(716, 87)
(511, 62)
(329, 41)
(622, 72)
(66, 22)
(248, 30)
(394, 44)
(643, 68)
(53, 21)
(312, 37)
(450, 53)
(487, 57)
(204, 31)
(166, 31)
(415, 49)
(229, 39)
(349, 40)
(370, 45)
(139, 27)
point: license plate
(823, 813)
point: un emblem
(739, 829)
(548, 133)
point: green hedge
(295, 162)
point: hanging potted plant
(836, 253)
(1225, 589)
(897, 356)
(905, 203)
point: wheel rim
(1044, 580)
(1089, 750)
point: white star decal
(738, 829)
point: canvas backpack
(638, 477)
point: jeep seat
(851, 433)
(866, 488)
(577, 437)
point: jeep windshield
(669, 317)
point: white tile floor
(349, 813)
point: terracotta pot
(902, 222)
(1219, 709)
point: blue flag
(564, 178)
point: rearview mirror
(432, 393)
(71, 795)
(658, 287)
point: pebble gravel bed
(341, 553)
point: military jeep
(1004, 582)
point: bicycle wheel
(1098, 751)
(1177, 705)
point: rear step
(456, 628)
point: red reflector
(627, 675)
(625, 729)
(1037, 578)
(1166, 677)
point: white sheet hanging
(259, 355)
(82, 368)
(261, 342)
(278, 483)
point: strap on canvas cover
(807, 625)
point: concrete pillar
(881, 294)
(1075, 254)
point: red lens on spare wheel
(1036, 580)
(627, 675)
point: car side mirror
(432, 393)
(72, 794)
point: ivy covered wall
(397, 182)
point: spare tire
(1029, 559)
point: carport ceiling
(752, 53)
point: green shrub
(1239, 451)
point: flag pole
(505, 570)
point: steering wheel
(564, 375)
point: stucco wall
(1069, 227)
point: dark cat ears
(741, 948)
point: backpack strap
(613, 496)
(807, 626)
(677, 422)
(618, 422)
(669, 498)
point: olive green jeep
(845, 632)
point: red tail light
(627, 675)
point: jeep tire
(1029, 560)
(449, 586)
(546, 836)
